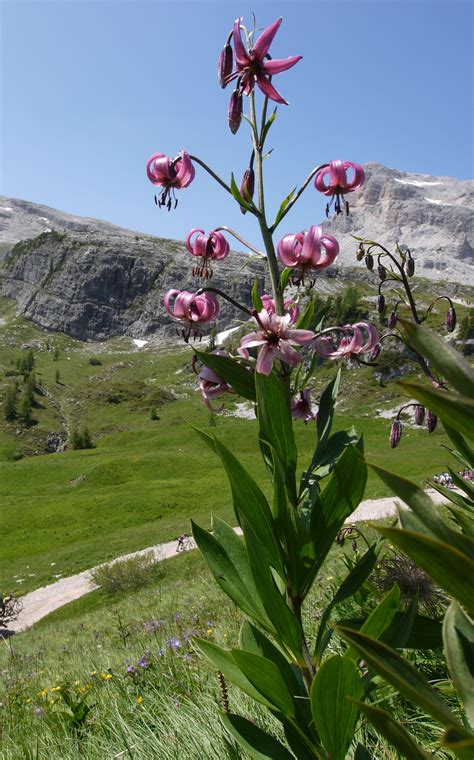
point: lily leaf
(394, 732)
(379, 619)
(247, 204)
(458, 635)
(281, 210)
(266, 677)
(256, 742)
(458, 411)
(240, 379)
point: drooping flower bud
(224, 67)
(354, 545)
(431, 421)
(380, 304)
(360, 253)
(410, 266)
(369, 261)
(382, 272)
(235, 111)
(392, 320)
(247, 186)
(375, 353)
(419, 414)
(395, 434)
(451, 320)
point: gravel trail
(37, 604)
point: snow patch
(140, 343)
(439, 203)
(416, 182)
(222, 336)
(6, 208)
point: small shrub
(127, 574)
(153, 413)
(81, 439)
(57, 377)
(95, 361)
(9, 402)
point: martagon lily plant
(269, 573)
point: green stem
(212, 173)
(298, 194)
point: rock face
(432, 216)
(93, 280)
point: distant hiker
(181, 542)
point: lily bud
(382, 272)
(451, 320)
(224, 67)
(369, 261)
(392, 320)
(235, 111)
(381, 304)
(410, 267)
(395, 434)
(354, 546)
(247, 187)
(360, 253)
(419, 414)
(431, 421)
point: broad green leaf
(256, 300)
(458, 411)
(426, 510)
(327, 405)
(450, 569)
(227, 576)
(250, 502)
(286, 624)
(401, 674)
(285, 276)
(351, 583)
(239, 197)
(425, 633)
(266, 677)
(463, 450)
(379, 619)
(335, 716)
(458, 636)
(257, 743)
(281, 210)
(223, 661)
(336, 443)
(240, 378)
(275, 423)
(341, 496)
(446, 360)
(464, 485)
(460, 744)
(304, 322)
(267, 126)
(394, 732)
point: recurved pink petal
(358, 177)
(276, 66)
(260, 49)
(241, 57)
(157, 168)
(288, 354)
(253, 339)
(266, 357)
(167, 299)
(300, 337)
(189, 243)
(185, 172)
(337, 174)
(327, 254)
(268, 89)
(319, 181)
(311, 244)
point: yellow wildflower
(139, 699)
(210, 631)
(106, 676)
(56, 688)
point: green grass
(62, 513)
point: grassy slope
(145, 478)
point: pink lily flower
(308, 251)
(301, 409)
(254, 67)
(338, 183)
(361, 338)
(276, 340)
(212, 386)
(290, 306)
(192, 309)
(209, 247)
(171, 174)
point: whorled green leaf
(351, 583)
(327, 404)
(335, 716)
(379, 619)
(304, 322)
(426, 510)
(240, 378)
(285, 276)
(250, 502)
(401, 674)
(256, 300)
(256, 742)
(457, 411)
(463, 451)
(425, 633)
(267, 126)
(266, 677)
(225, 663)
(236, 582)
(275, 425)
(450, 364)
(451, 569)
(394, 732)
(458, 636)
(462, 746)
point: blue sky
(91, 89)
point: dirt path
(37, 604)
